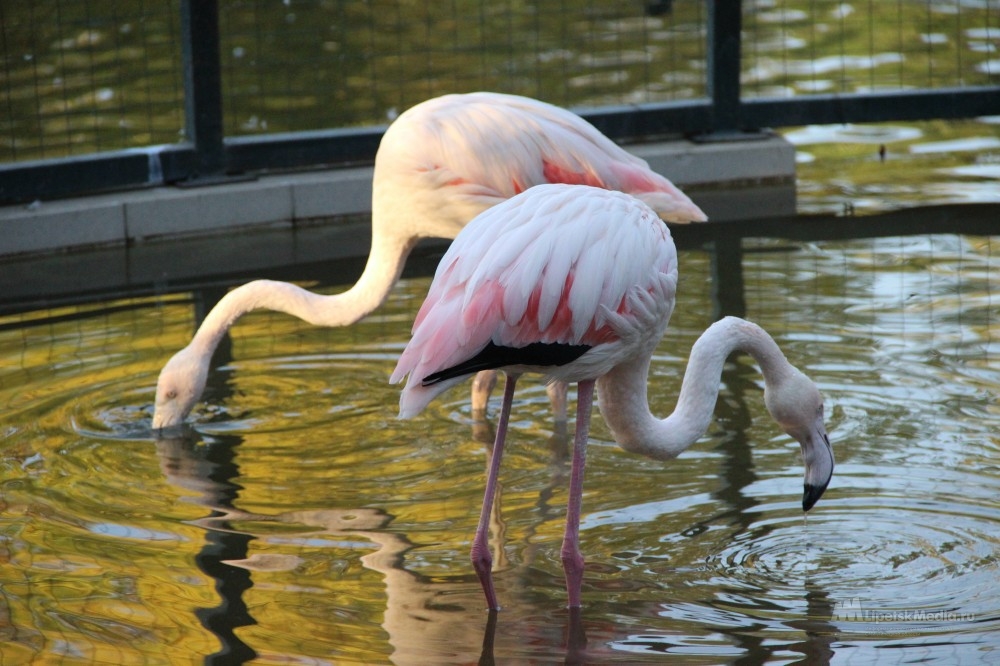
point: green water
(299, 522)
(82, 77)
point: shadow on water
(210, 470)
(819, 630)
(419, 612)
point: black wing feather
(494, 356)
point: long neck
(622, 392)
(384, 266)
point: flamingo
(578, 283)
(438, 165)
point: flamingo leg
(482, 386)
(557, 396)
(571, 556)
(485, 381)
(482, 559)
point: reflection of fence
(95, 91)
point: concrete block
(61, 225)
(332, 193)
(279, 201)
(747, 203)
(721, 163)
(198, 210)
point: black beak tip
(812, 494)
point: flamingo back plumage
(447, 159)
(547, 266)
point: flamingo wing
(529, 284)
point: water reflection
(749, 637)
(209, 471)
(423, 618)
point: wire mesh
(342, 64)
(827, 46)
(88, 76)
(82, 76)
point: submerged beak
(817, 454)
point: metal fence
(103, 94)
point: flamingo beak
(817, 454)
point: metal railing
(208, 156)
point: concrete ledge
(45, 227)
(287, 199)
(332, 193)
(721, 164)
(171, 211)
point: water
(875, 167)
(298, 521)
(104, 75)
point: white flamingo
(439, 164)
(578, 283)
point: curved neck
(622, 392)
(384, 266)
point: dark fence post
(725, 20)
(203, 86)
(726, 264)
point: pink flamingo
(439, 165)
(578, 283)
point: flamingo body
(515, 293)
(439, 165)
(445, 160)
(578, 283)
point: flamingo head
(677, 208)
(797, 406)
(178, 388)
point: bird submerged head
(796, 404)
(178, 388)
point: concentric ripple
(264, 395)
(904, 563)
(888, 560)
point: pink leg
(482, 560)
(482, 386)
(557, 396)
(571, 556)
